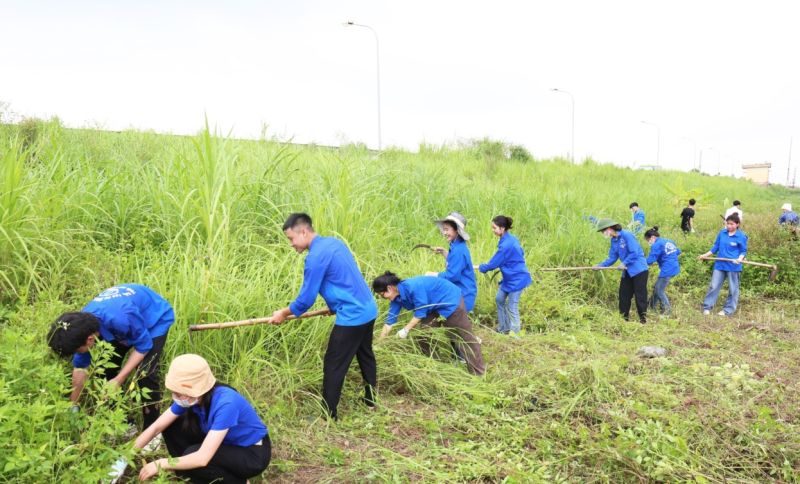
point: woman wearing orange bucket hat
(211, 431)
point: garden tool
(581, 268)
(772, 275)
(251, 322)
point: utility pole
(789, 163)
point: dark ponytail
(503, 222)
(652, 232)
(381, 283)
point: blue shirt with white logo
(729, 247)
(331, 271)
(130, 314)
(510, 258)
(626, 248)
(460, 272)
(665, 252)
(423, 295)
(229, 411)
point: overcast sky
(718, 78)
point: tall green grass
(199, 220)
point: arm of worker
(497, 259)
(456, 266)
(391, 318)
(655, 253)
(441, 251)
(162, 423)
(613, 256)
(313, 273)
(743, 248)
(137, 336)
(79, 377)
(199, 458)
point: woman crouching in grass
(211, 431)
(429, 298)
(510, 259)
(665, 252)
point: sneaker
(154, 444)
(721, 313)
(706, 312)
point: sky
(717, 82)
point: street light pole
(658, 141)
(377, 70)
(571, 153)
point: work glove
(402, 334)
(117, 470)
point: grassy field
(199, 220)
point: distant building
(757, 172)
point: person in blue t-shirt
(331, 271)
(665, 253)
(637, 218)
(458, 262)
(633, 283)
(135, 320)
(730, 244)
(458, 265)
(429, 298)
(212, 432)
(510, 259)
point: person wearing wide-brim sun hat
(213, 434)
(633, 283)
(458, 265)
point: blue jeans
(717, 278)
(508, 311)
(660, 295)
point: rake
(772, 274)
(254, 321)
(581, 268)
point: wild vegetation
(199, 220)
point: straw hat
(457, 219)
(189, 375)
(787, 206)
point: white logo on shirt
(669, 248)
(115, 292)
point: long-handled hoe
(580, 268)
(772, 274)
(254, 321)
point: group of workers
(212, 432)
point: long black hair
(503, 222)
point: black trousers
(633, 288)
(344, 343)
(147, 375)
(230, 464)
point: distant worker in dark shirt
(687, 217)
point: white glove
(75, 409)
(402, 334)
(117, 469)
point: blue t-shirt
(789, 218)
(130, 314)
(637, 222)
(510, 258)
(331, 271)
(626, 248)
(460, 272)
(729, 247)
(229, 411)
(423, 295)
(665, 252)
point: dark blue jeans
(660, 296)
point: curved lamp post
(377, 70)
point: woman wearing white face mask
(212, 432)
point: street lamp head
(348, 23)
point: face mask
(183, 403)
